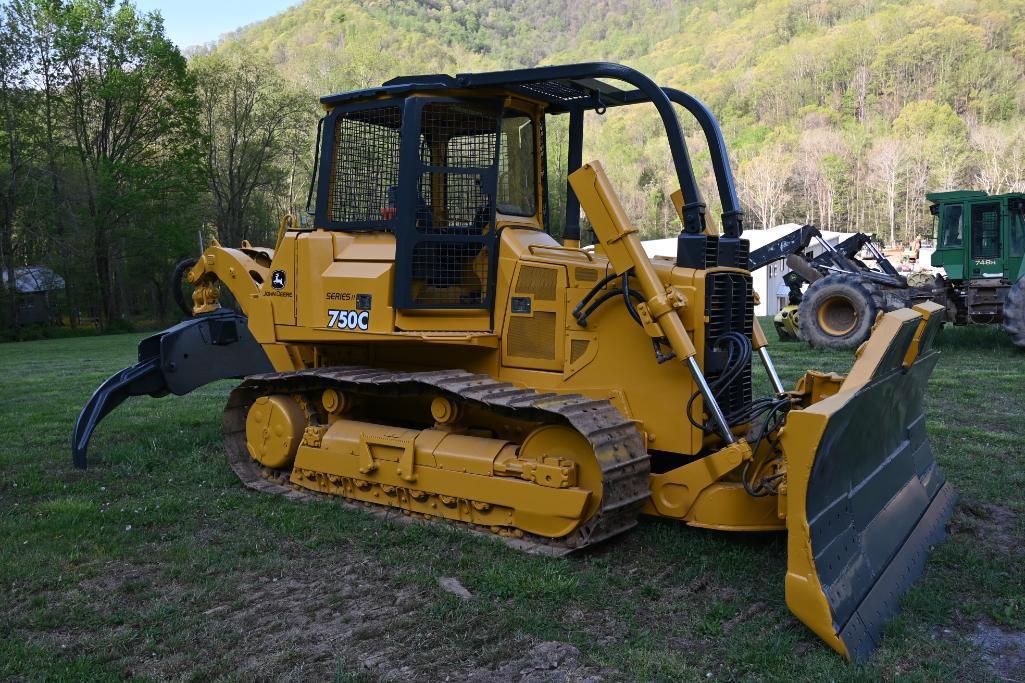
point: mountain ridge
(811, 90)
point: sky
(193, 22)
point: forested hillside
(841, 113)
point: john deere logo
(277, 280)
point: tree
(38, 18)
(820, 147)
(762, 183)
(12, 92)
(886, 160)
(1000, 158)
(943, 135)
(132, 109)
(1015, 162)
(254, 122)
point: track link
(618, 445)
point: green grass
(157, 563)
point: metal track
(618, 445)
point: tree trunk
(101, 257)
(160, 299)
(55, 190)
(7, 256)
(7, 229)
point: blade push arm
(660, 310)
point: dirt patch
(604, 626)
(117, 576)
(330, 612)
(999, 525)
(319, 614)
(547, 661)
(1004, 651)
(752, 609)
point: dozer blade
(865, 499)
(194, 352)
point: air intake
(541, 282)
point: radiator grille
(729, 306)
(541, 282)
(532, 337)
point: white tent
(768, 282)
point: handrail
(556, 247)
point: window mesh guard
(986, 231)
(365, 172)
(451, 250)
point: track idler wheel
(554, 449)
(274, 430)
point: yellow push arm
(623, 247)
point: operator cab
(441, 173)
(979, 236)
(446, 163)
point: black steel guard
(694, 205)
(187, 356)
(575, 88)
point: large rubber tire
(838, 312)
(177, 284)
(1014, 313)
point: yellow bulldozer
(424, 343)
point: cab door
(445, 259)
(986, 249)
(950, 253)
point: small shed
(35, 286)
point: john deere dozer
(425, 344)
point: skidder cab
(426, 344)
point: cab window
(951, 225)
(517, 166)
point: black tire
(838, 312)
(177, 283)
(1014, 313)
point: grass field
(157, 563)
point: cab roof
(967, 196)
(560, 94)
